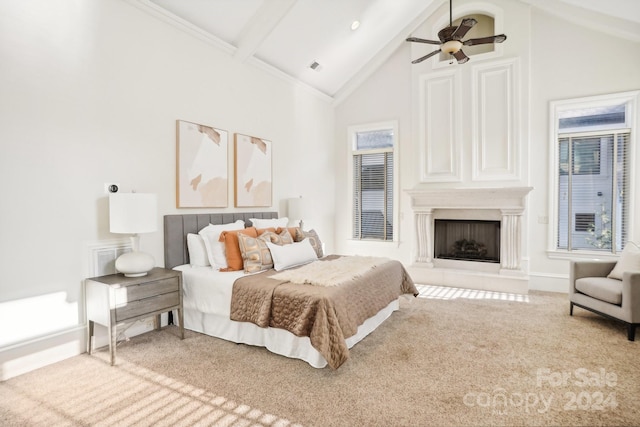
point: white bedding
(207, 302)
(207, 290)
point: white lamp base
(135, 264)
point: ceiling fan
(451, 39)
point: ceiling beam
(263, 22)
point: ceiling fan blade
(460, 56)
(463, 28)
(485, 40)
(417, 61)
(417, 40)
(445, 34)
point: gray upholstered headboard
(176, 228)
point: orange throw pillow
(230, 239)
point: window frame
(352, 132)
(556, 108)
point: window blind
(373, 196)
(593, 192)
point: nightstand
(114, 300)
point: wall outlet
(111, 187)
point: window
(592, 138)
(373, 181)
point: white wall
(385, 96)
(594, 64)
(89, 93)
(556, 60)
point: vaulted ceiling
(289, 36)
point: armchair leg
(631, 327)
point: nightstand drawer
(130, 293)
(147, 305)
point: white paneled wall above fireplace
(469, 123)
(495, 125)
(440, 123)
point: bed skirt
(277, 341)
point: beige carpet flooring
(448, 358)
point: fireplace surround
(504, 206)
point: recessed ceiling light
(354, 25)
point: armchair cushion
(601, 288)
(629, 261)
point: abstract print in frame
(252, 172)
(202, 166)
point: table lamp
(133, 213)
(296, 209)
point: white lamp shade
(133, 213)
(295, 208)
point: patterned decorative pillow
(293, 231)
(262, 230)
(313, 239)
(255, 253)
(256, 256)
(283, 237)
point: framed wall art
(253, 179)
(202, 166)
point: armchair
(592, 290)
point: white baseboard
(17, 359)
(20, 358)
(546, 282)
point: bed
(210, 302)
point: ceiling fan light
(452, 46)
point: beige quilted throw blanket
(328, 312)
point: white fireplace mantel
(507, 204)
(469, 198)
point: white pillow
(629, 261)
(269, 223)
(292, 255)
(197, 251)
(215, 249)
